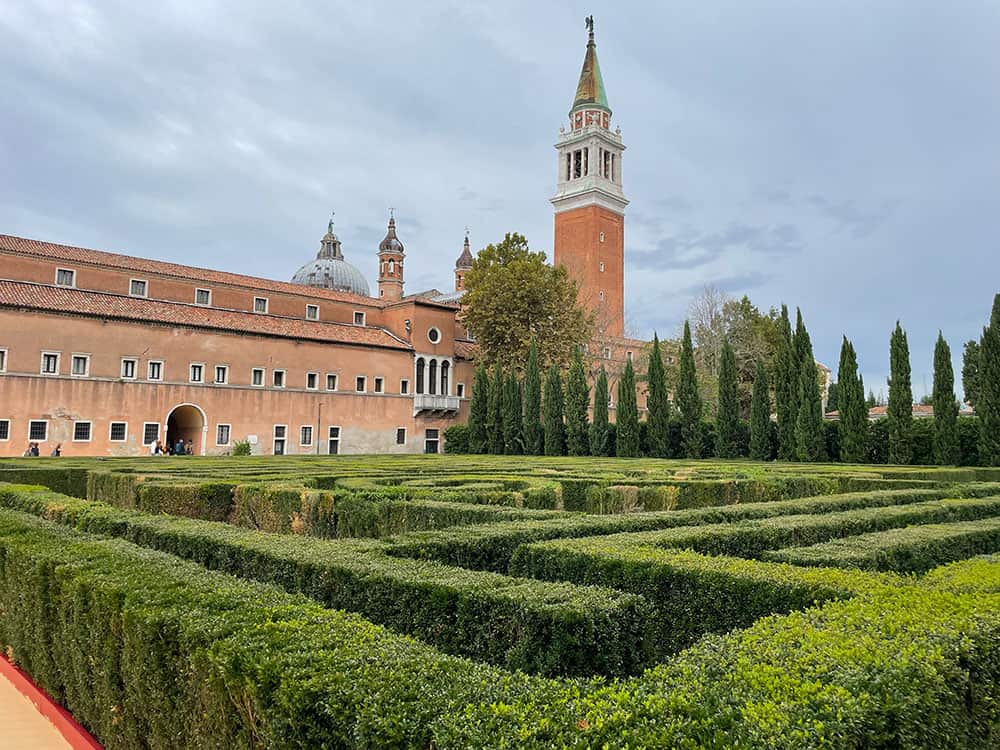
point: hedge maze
(480, 601)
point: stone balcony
(427, 402)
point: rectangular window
(312, 380)
(38, 430)
(154, 370)
(331, 381)
(3, 360)
(222, 434)
(278, 378)
(629, 356)
(306, 435)
(602, 267)
(197, 373)
(312, 312)
(257, 376)
(607, 353)
(404, 386)
(460, 390)
(137, 287)
(118, 432)
(333, 441)
(400, 436)
(221, 374)
(50, 363)
(81, 365)
(203, 297)
(280, 432)
(150, 432)
(4, 429)
(359, 384)
(431, 440)
(359, 318)
(65, 277)
(377, 385)
(260, 304)
(81, 432)
(129, 366)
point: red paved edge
(77, 737)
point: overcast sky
(843, 157)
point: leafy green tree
(599, 429)
(627, 416)
(945, 405)
(513, 418)
(760, 416)
(555, 443)
(479, 411)
(900, 411)
(728, 437)
(658, 403)
(532, 404)
(494, 424)
(513, 297)
(577, 398)
(785, 388)
(970, 372)
(853, 424)
(688, 398)
(988, 400)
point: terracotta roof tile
(466, 349)
(79, 302)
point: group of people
(33, 450)
(180, 448)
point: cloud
(693, 249)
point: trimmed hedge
(536, 626)
(915, 549)
(978, 574)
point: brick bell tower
(390, 263)
(589, 202)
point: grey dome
(330, 271)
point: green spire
(590, 91)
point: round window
(433, 335)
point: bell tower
(463, 264)
(589, 202)
(390, 263)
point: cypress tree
(553, 407)
(688, 398)
(658, 403)
(513, 425)
(532, 404)
(479, 411)
(627, 417)
(577, 398)
(988, 400)
(494, 425)
(970, 372)
(599, 431)
(785, 388)
(945, 405)
(900, 410)
(727, 425)
(809, 438)
(853, 425)
(760, 416)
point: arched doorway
(187, 422)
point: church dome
(330, 271)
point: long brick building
(106, 354)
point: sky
(840, 157)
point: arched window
(445, 366)
(432, 371)
(420, 375)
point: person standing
(189, 448)
(57, 451)
(179, 447)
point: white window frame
(225, 375)
(283, 439)
(602, 266)
(90, 431)
(315, 377)
(3, 360)
(302, 430)
(267, 304)
(135, 368)
(86, 365)
(460, 390)
(364, 317)
(149, 370)
(310, 308)
(364, 383)
(437, 333)
(208, 292)
(263, 377)
(6, 422)
(229, 434)
(42, 439)
(378, 384)
(41, 362)
(336, 381)
(111, 426)
(144, 426)
(284, 379)
(191, 366)
(72, 272)
(404, 386)
(145, 288)
(329, 437)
